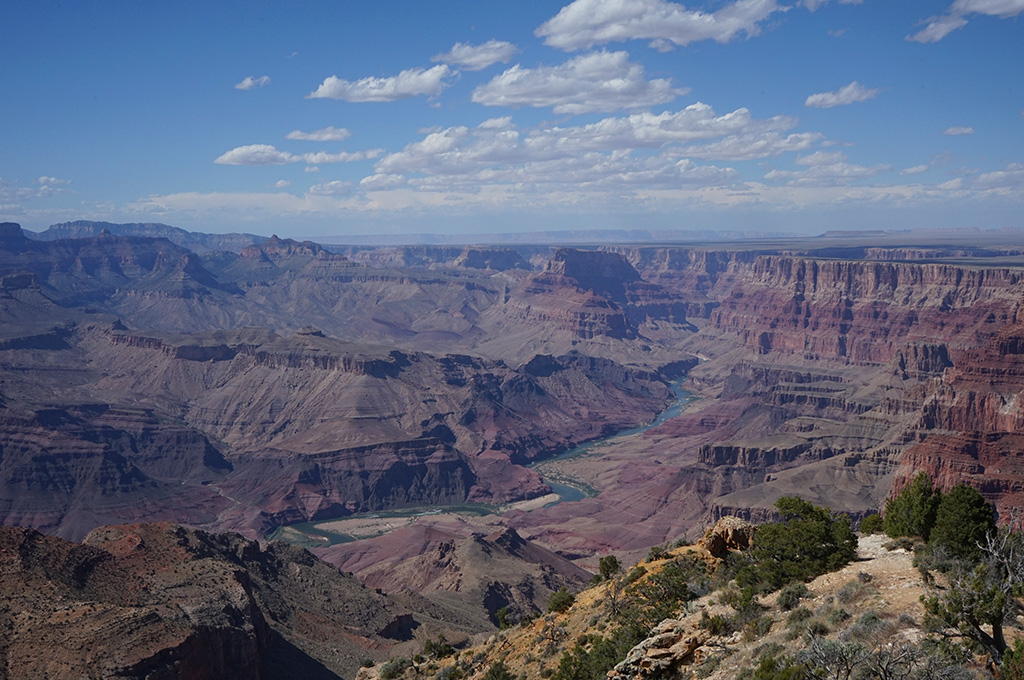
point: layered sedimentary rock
(159, 600)
(249, 429)
(461, 570)
(971, 421)
(384, 377)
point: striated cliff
(160, 600)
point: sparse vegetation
(963, 520)
(912, 511)
(790, 596)
(608, 567)
(872, 524)
(560, 600)
(809, 541)
(840, 635)
(394, 668)
(499, 671)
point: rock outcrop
(144, 601)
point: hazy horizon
(323, 121)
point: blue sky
(324, 119)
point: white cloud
(478, 57)
(250, 82)
(957, 131)
(335, 188)
(497, 149)
(753, 146)
(848, 94)
(916, 170)
(600, 81)
(327, 134)
(938, 27)
(340, 157)
(815, 4)
(585, 23)
(825, 169)
(255, 154)
(1012, 176)
(266, 154)
(282, 184)
(409, 83)
(51, 181)
(311, 168)
(381, 181)
(648, 130)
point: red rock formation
(972, 424)
(144, 601)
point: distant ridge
(561, 237)
(193, 240)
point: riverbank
(565, 489)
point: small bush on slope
(808, 542)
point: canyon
(247, 384)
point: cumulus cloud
(334, 188)
(340, 157)
(848, 94)
(916, 170)
(644, 151)
(600, 81)
(825, 169)
(815, 4)
(51, 181)
(409, 83)
(327, 134)
(477, 57)
(266, 154)
(1012, 177)
(696, 122)
(461, 150)
(251, 82)
(957, 131)
(753, 146)
(382, 181)
(255, 154)
(938, 27)
(282, 184)
(585, 23)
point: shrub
(657, 552)
(817, 627)
(635, 574)
(912, 511)
(716, 624)
(1013, 662)
(798, 616)
(808, 542)
(791, 595)
(872, 524)
(963, 520)
(778, 668)
(852, 591)
(499, 671)
(837, 616)
(757, 628)
(608, 566)
(439, 649)
(560, 600)
(449, 673)
(394, 668)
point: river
(322, 533)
